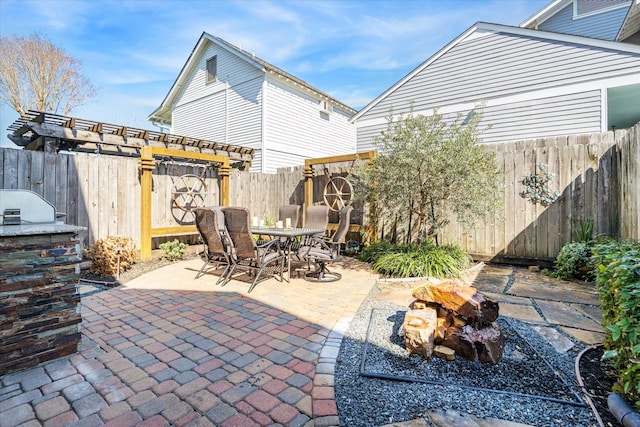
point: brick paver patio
(166, 349)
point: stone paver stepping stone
(540, 291)
(497, 270)
(561, 343)
(504, 298)
(451, 418)
(559, 313)
(525, 313)
(587, 337)
(490, 283)
(591, 311)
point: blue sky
(132, 51)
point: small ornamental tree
(433, 168)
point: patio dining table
(289, 234)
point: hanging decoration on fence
(188, 191)
(337, 192)
(537, 189)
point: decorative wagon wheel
(188, 192)
(337, 193)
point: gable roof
(488, 27)
(545, 13)
(631, 26)
(163, 112)
(557, 5)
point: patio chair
(317, 217)
(289, 211)
(216, 252)
(257, 259)
(320, 250)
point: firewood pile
(112, 255)
(449, 319)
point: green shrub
(371, 253)
(583, 231)
(173, 249)
(618, 282)
(573, 261)
(416, 260)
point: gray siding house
(228, 95)
(614, 20)
(531, 83)
(573, 67)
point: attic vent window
(325, 107)
(212, 69)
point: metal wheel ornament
(337, 193)
(189, 192)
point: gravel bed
(366, 401)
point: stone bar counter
(39, 307)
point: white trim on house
(554, 7)
(480, 28)
(577, 15)
(545, 13)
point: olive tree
(35, 74)
(432, 168)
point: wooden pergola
(38, 130)
(308, 185)
(52, 132)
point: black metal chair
(217, 249)
(320, 251)
(257, 259)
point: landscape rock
(418, 328)
(464, 300)
(485, 345)
(445, 353)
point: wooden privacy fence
(597, 174)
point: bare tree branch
(35, 74)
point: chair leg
(255, 280)
(228, 276)
(223, 276)
(322, 274)
(201, 272)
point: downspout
(226, 111)
(263, 124)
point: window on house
(623, 110)
(212, 69)
(590, 7)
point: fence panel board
(597, 174)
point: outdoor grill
(20, 207)
(39, 268)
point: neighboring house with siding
(613, 20)
(532, 83)
(226, 94)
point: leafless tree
(36, 74)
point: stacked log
(449, 319)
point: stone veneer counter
(39, 307)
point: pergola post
(146, 165)
(308, 186)
(224, 172)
